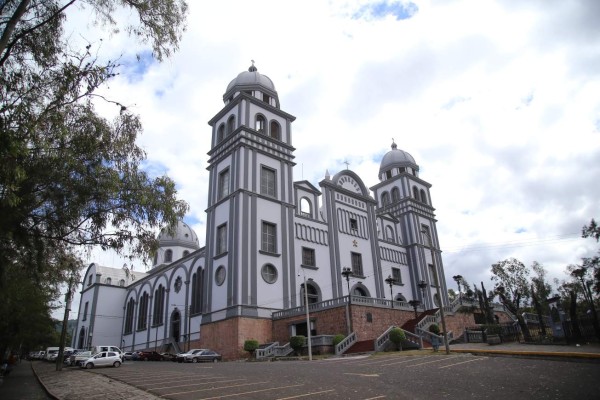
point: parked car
(188, 355)
(169, 356)
(149, 356)
(206, 355)
(80, 356)
(103, 359)
(128, 355)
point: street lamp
(305, 287)
(458, 279)
(346, 272)
(437, 286)
(422, 285)
(415, 304)
(390, 281)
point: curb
(589, 356)
(48, 392)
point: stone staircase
(363, 346)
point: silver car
(103, 359)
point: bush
(251, 345)
(434, 328)
(297, 343)
(337, 339)
(397, 336)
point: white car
(103, 359)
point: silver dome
(182, 236)
(397, 158)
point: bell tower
(249, 251)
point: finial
(347, 163)
(394, 146)
(327, 176)
(252, 67)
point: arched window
(122, 283)
(358, 291)
(423, 196)
(159, 306)
(221, 133)
(415, 193)
(143, 312)
(389, 233)
(169, 255)
(185, 253)
(395, 194)
(108, 281)
(400, 297)
(275, 130)
(385, 199)
(305, 207)
(129, 316)
(230, 125)
(197, 282)
(312, 294)
(260, 124)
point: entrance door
(175, 325)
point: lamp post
(415, 304)
(346, 272)
(307, 318)
(390, 281)
(458, 279)
(422, 285)
(437, 286)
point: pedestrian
(435, 343)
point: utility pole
(63, 333)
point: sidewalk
(589, 351)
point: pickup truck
(79, 357)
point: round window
(220, 275)
(269, 273)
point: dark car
(149, 356)
(206, 355)
(169, 356)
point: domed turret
(397, 161)
(174, 246)
(251, 80)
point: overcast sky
(497, 101)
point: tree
(68, 176)
(297, 343)
(593, 263)
(397, 336)
(512, 287)
(540, 291)
(250, 346)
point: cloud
(497, 101)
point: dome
(397, 158)
(251, 78)
(182, 236)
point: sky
(497, 101)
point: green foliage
(251, 345)
(397, 336)
(337, 339)
(297, 343)
(434, 328)
(70, 177)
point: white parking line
(194, 384)
(306, 394)
(213, 388)
(464, 362)
(254, 391)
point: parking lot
(387, 376)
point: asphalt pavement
(33, 380)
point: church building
(268, 239)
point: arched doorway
(81, 340)
(175, 325)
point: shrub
(397, 336)
(297, 343)
(251, 345)
(434, 328)
(337, 339)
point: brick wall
(228, 336)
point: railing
(266, 352)
(383, 338)
(414, 339)
(282, 351)
(345, 344)
(320, 340)
(535, 319)
(356, 300)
